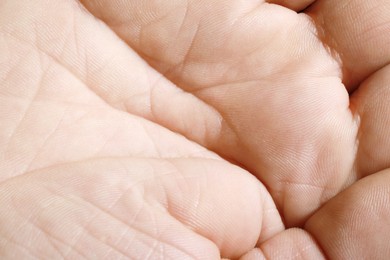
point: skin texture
(194, 129)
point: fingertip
(293, 243)
(254, 254)
(298, 5)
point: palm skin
(91, 165)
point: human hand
(81, 178)
(95, 181)
(279, 82)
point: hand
(84, 175)
(81, 178)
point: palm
(265, 93)
(81, 178)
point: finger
(358, 32)
(371, 104)
(254, 254)
(264, 70)
(353, 224)
(296, 5)
(289, 244)
(134, 208)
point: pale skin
(194, 129)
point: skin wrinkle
(35, 173)
(220, 117)
(57, 61)
(152, 86)
(54, 59)
(26, 111)
(182, 63)
(120, 237)
(28, 168)
(151, 101)
(167, 201)
(179, 171)
(179, 32)
(12, 241)
(335, 134)
(42, 229)
(106, 212)
(49, 56)
(47, 235)
(21, 247)
(13, 69)
(142, 34)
